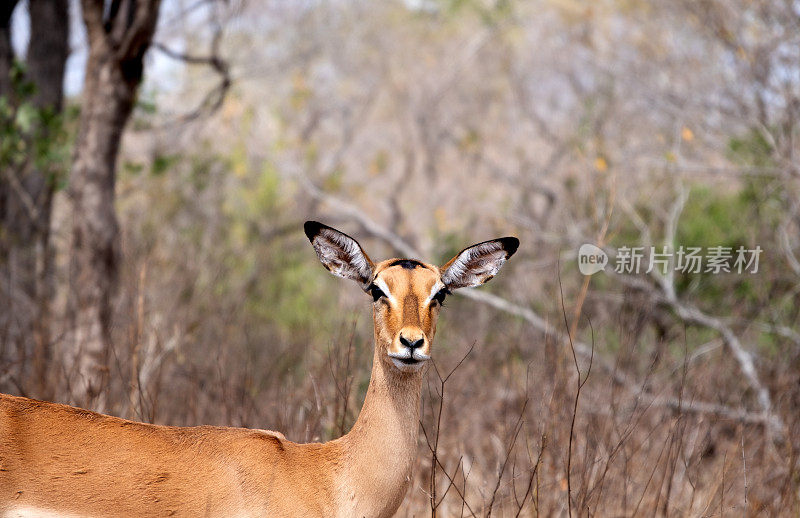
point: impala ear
(340, 253)
(477, 264)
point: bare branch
(139, 32)
(215, 97)
(93, 19)
(517, 428)
(786, 244)
(27, 200)
(369, 225)
(666, 295)
(692, 315)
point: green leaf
(26, 117)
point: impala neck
(382, 445)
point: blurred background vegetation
(154, 267)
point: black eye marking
(441, 295)
(376, 292)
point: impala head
(407, 294)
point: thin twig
(579, 385)
(744, 474)
(215, 97)
(517, 429)
(434, 448)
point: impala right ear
(479, 263)
(340, 253)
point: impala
(57, 460)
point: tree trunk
(107, 105)
(47, 57)
(118, 40)
(48, 51)
(6, 51)
(27, 193)
(6, 300)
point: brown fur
(59, 458)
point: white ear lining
(475, 265)
(342, 255)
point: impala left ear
(340, 253)
(477, 264)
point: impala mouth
(408, 358)
(409, 361)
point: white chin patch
(407, 367)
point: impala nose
(412, 344)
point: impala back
(57, 460)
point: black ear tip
(510, 244)
(312, 228)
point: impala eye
(376, 292)
(441, 295)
